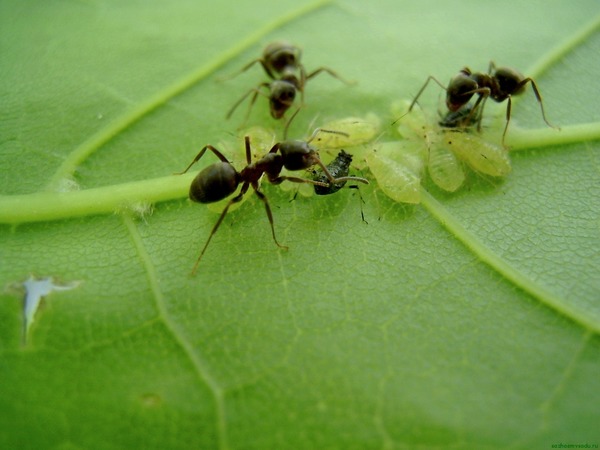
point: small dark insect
(499, 84)
(462, 118)
(220, 180)
(281, 62)
(339, 168)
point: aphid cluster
(441, 146)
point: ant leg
(302, 84)
(429, 78)
(242, 70)
(282, 178)
(269, 214)
(256, 91)
(217, 153)
(316, 72)
(538, 97)
(248, 150)
(333, 180)
(508, 110)
(287, 125)
(236, 199)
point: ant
(339, 167)
(498, 83)
(281, 62)
(276, 58)
(220, 180)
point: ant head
(214, 183)
(460, 90)
(281, 98)
(298, 155)
(279, 55)
(508, 81)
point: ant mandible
(220, 180)
(281, 62)
(499, 83)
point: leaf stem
(129, 117)
(520, 138)
(44, 206)
(486, 255)
(558, 52)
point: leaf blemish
(35, 291)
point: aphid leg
(269, 214)
(217, 153)
(322, 130)
(361, 202)
(236, 199)
(429, 78)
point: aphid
(353, 131)
(483, 156)
(221, 179)
(281, 62)
(339, 167)
(397, 167)
(499, 84)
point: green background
(391, 334)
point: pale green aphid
(481, 155)
(359, 130)
(444, 168)
(397, 167)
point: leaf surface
(468, 321)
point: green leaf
(470, 320)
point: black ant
(276, 58)
(339, 168)
(220, 180)
(281, 62)
(499, 83)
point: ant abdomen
(214, 183)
